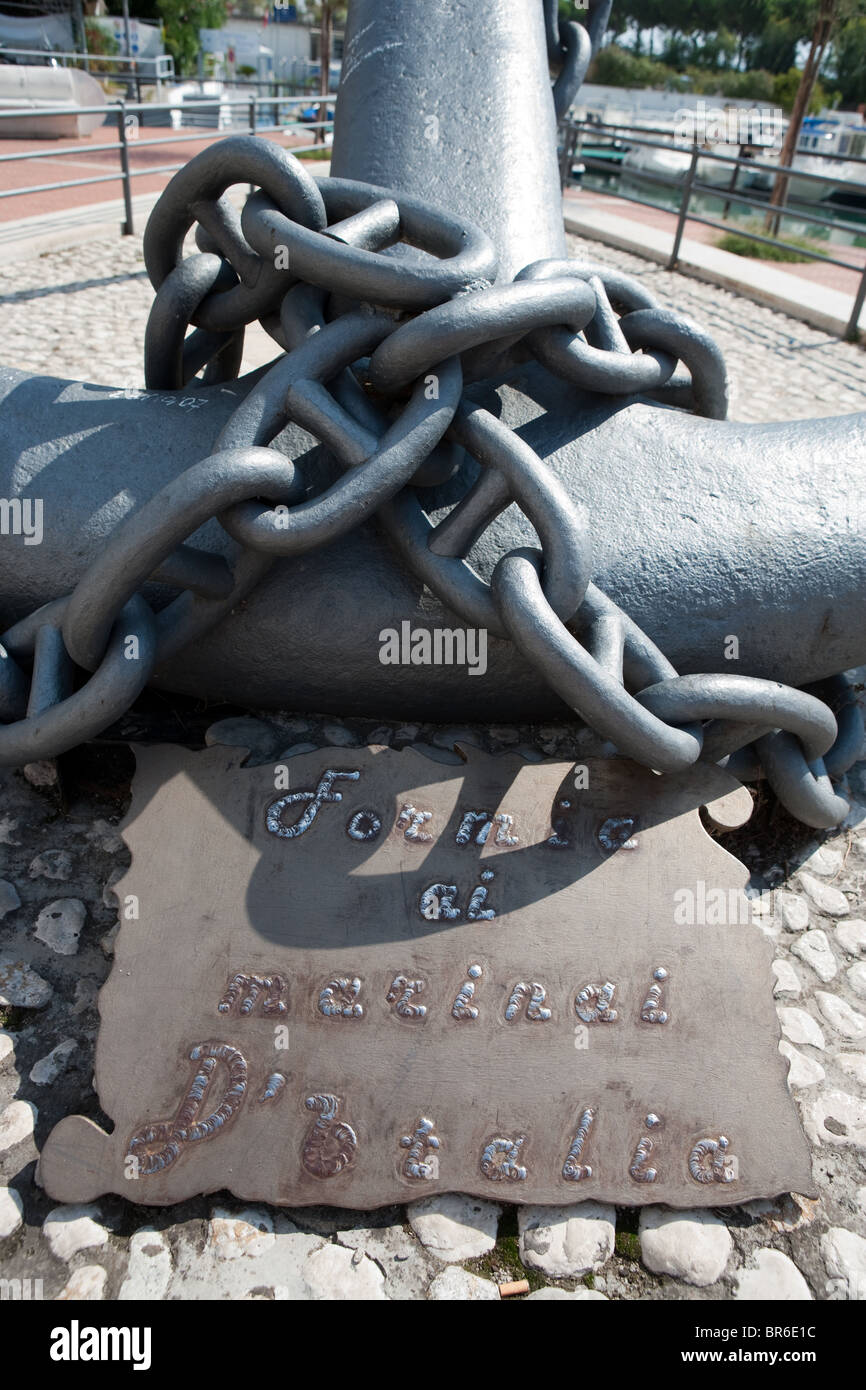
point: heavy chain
(362, 335)
(570, 47)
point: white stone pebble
(801, 1028)
(59, 925)
(802, 1071)
(16, 1124)
(773, 1277)
(565, 1242)
(455, 1283)
(86, 1285)
(827, 899)
(73, 1228)
(793, 909)
(836, 1118)
(108, 942)
(453, 1227)
(9, 898)
(339, 736)
(825, 861)
(844, 1255)
(231, 1236)
(21, 987)
(690, 1245)
(11, 1212)
(109, 897)
(853, 1064)
(856, 976)
(786, 980)
(7, 1047)
(257, 737)
(851, 936)
(814, 948)
(295, 751)
(54, 1063)
(106, 836)
(332, 1274)
(148, 1273)
(841, 1016)
(52, 863)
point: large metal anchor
(437, 360)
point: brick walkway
(833, 277)
(86, 162)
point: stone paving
(81, 313)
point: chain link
(358, 331)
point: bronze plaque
(363, 976)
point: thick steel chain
(570, 47)
(359, 331)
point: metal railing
(110, 66)
(573, 133)
(125, 115)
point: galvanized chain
(570, 47)
(359, 331)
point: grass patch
(323, 153)
(12, 1019)
(740, 245)
(627, 1245)
(627, 1240)
(503, 1264)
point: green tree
(848, 61)
(100, 42)
(775, 47)
(746, 20)
(181, 21)
(823, 27)
(785, 88)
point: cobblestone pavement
(780, 369)
(81, 312)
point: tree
(823, 28)
(848, 62)
(327, 15)
(182, 20)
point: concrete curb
(814, 304)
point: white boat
(667, 161)
(672, 160)
(29, 90)
(839, 133)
